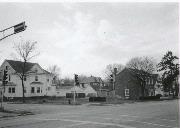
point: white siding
(42, 78)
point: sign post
(74, 96)
(76, 82)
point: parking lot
(156, 114)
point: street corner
(5, 113)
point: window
(83, 85)
(38, 89)
(6, 67)
(36, 78)
(9, 78)
(32, 89)
(13, 90)
(9, 90)
(47, 80)
(126, 92)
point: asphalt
(156, 114)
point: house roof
(136, 71)
(64, 87)
(141, 72)
(95, 87)
(36, 82)
(16, 65)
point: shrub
(157, 97)
(97, 99)
(78, 95)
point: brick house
(38, 82)
(128, 86)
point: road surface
(155, 114)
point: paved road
(162, 114)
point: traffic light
(111, 78)
(5, 77)
(19, 27)
(76, 79)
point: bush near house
(157, 97)
(97, 99)
(78, 95)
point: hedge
(78, 95)
(157, 97)
(97, 99)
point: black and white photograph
(89, 64)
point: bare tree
(82, 77)
(146, 64)
(25, 51)
(55, 70)
(110, 69)
(142, 67)
(68, 81)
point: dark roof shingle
(18, 65)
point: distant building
(128, 86)
(93, 81)
(38, 82)
(96, 83)
(87, 90)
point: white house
(86, 89)
(38, 82)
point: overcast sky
(83, 38)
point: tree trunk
(23, 98)
(23, 74)
(176, 89)
(142, 89)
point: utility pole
(2, 93)
(16, 29)
(76, 82)
(74, 96)
(4, 82)
(114, 80)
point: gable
(37, 68)
(3, 67)
(123, 74)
